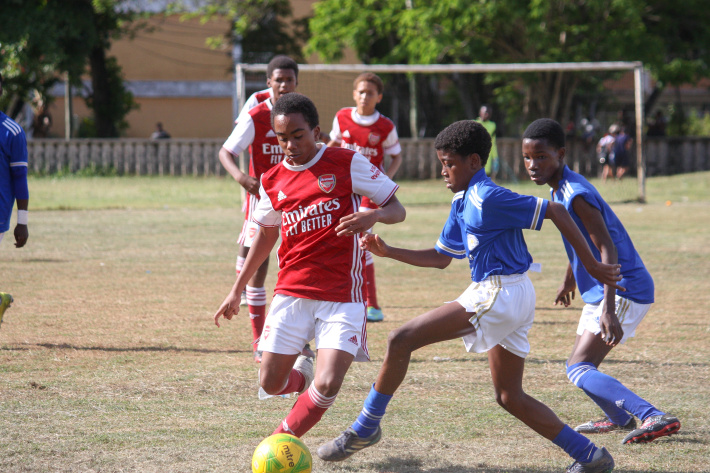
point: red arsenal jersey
(372, 136)
(254, 131)
(255, 99)
(307, 202)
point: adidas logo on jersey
(282, 196)
(353, 340)
(346, 134)
(271, 134)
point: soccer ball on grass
(281, 453)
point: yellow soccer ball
(281, 453)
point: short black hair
(465, 138)
(281, 62)
(296, 103)
(371, 78)
(546, 129)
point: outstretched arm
(604, 273)
(259, 251)
(358, 222)
(429, 258)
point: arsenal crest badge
(373, 139)
(326, 182)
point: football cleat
(603, 426)
(347, 443)
(602, 462)
(374, 314)
(5, 301)
(304, 365)
(652, 428)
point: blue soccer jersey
(636, 278)
(13, 153)
(486, 225)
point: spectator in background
(604, 149)
(484, 118)
(620, 156)
(658, 126)
(159, 133)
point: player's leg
(444, 323)
(507, 375)
(615, 399)
(320, 395)
(256, 303)
(339, 330)
(283, 370)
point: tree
(48, 41)
(261, 28)
(507, 31)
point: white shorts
(629, 313)
(249, 228)
(503, 310)
(292, 322)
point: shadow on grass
(408, 465)
(67, 346)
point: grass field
(109, 360)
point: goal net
(423, 99)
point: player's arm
(429, 258)
(391, 212)
(565, 293)
(604, 273)
(593, 222)
(394, 165)
(259, 251)
(18, 175)
(228, 160)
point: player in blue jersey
(608, 318)
(13, 186)
(495, 312)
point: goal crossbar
(636, 66)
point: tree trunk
(101, 98)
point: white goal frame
(636, 66)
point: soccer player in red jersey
(253, 131)
(311, 200)
(363, 129)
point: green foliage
(670, 37)
(46, 41)
(262, 28)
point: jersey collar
(310, 163)
(364, 120)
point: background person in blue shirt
(607, 318)
(13, 186)
(495, 312)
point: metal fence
(198, 157)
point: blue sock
(372, 412)
(575, 444)
(613, 397)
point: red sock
(257, 323)
(294, 384)
(371, 286)
(305, 413)
(256, 304)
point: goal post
(347, 71)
